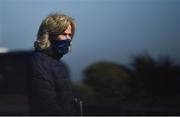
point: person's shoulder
(40, 58)
(37, 55)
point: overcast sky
(110, 30)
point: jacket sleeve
(43, 96)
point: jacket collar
(52, 52)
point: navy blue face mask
(61, 46)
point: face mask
(62, 46)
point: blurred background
(122, 52)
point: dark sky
(110, 30)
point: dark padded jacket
(49, 86)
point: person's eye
(70, 35)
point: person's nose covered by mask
(61, 46)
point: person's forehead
(68, 29)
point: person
(50, 86)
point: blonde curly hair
(53, 25)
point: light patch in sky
(4, 50)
